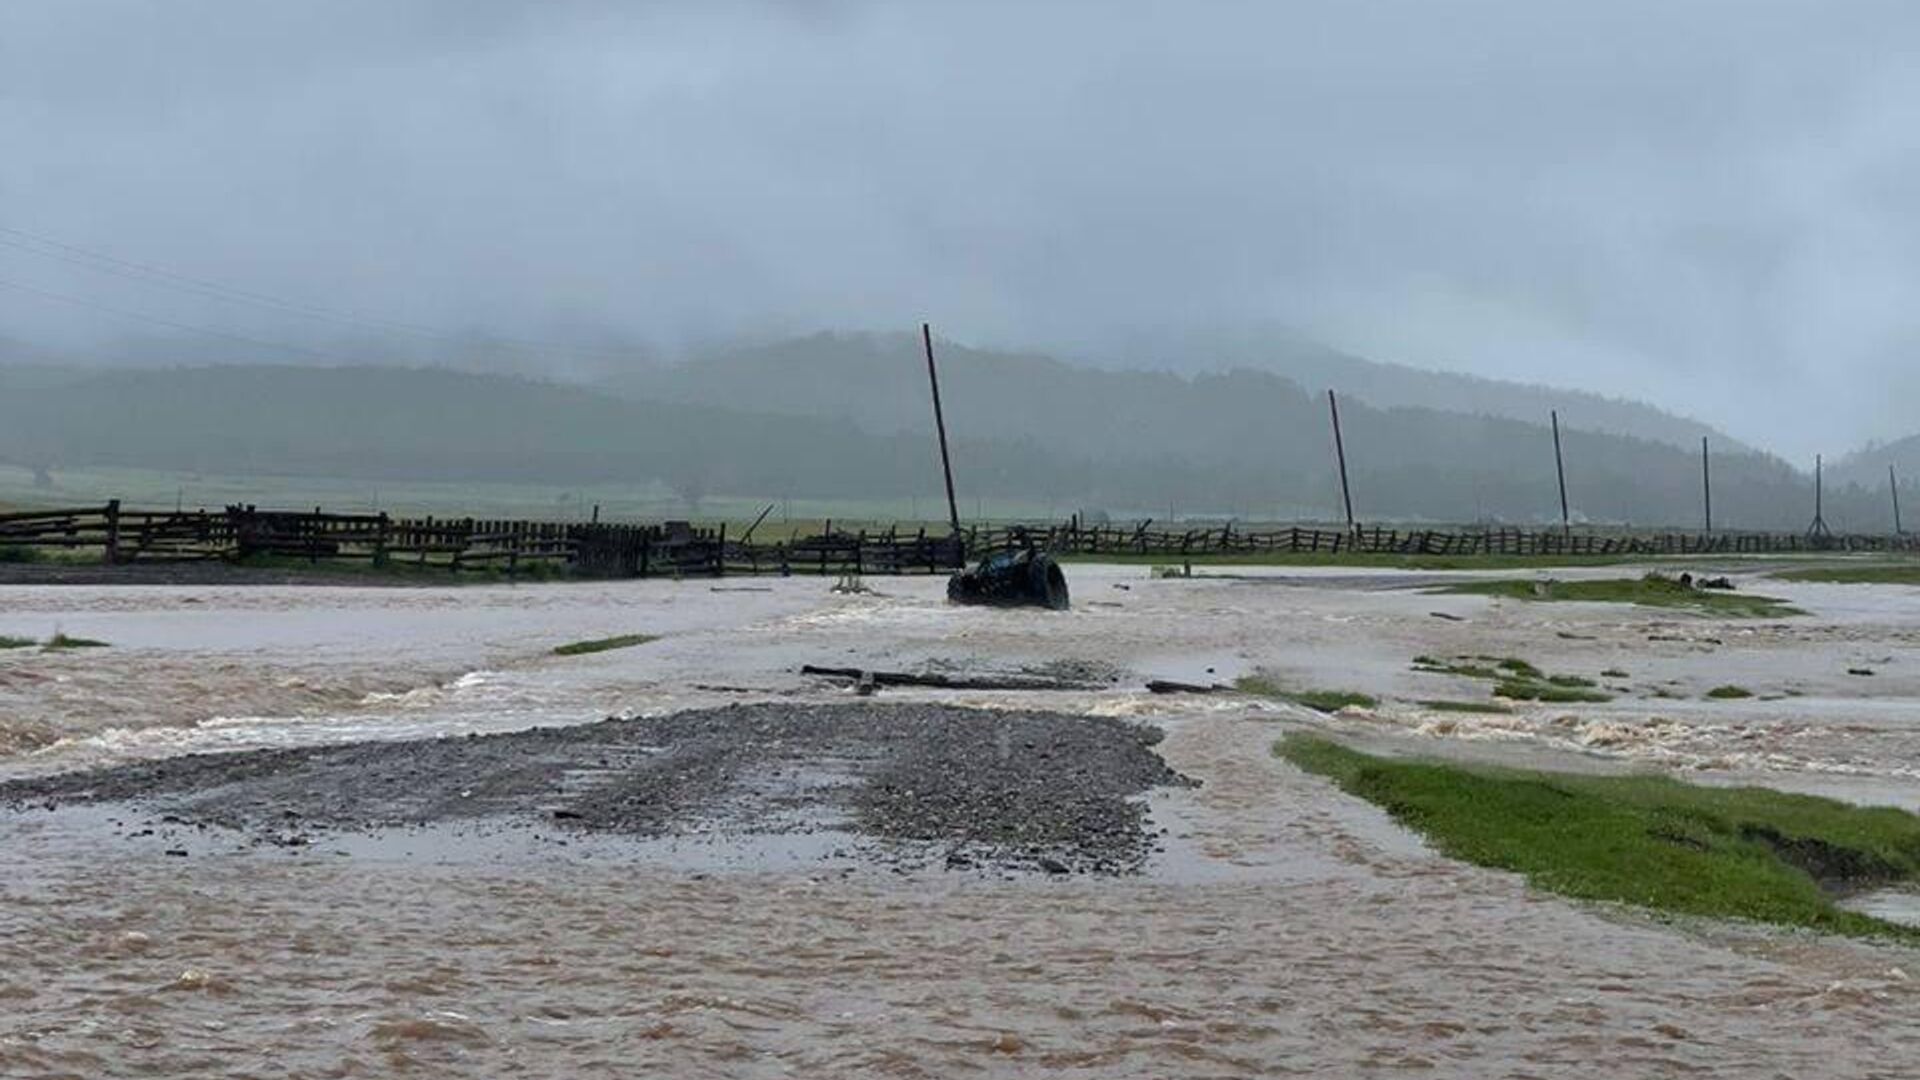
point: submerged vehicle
(1021, 577)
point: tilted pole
(744, 537)
(1340, 455)
(940, 425)
(1560, 469)
(1893, 486)
(1706, 482)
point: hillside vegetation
(829, 417)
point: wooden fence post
(113, 530)
(380, 539)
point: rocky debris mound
(915, 782)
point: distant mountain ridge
(1318, 367)
(847, 416)
(1867, 467)
(878, 382)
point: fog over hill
(1708, 205)
(1316, 365)
(1867, 468)
(1242, 444)
(1111, 403)
(1164, 230)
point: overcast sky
(1711, 205)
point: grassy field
(1746, 853)
(1514, 679)
(618, 501)
(1366, 559)
(429, 573)
(1877, 574)
(1327, 701)
(1651, 590)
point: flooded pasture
(1280, 928)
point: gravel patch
(917, 783)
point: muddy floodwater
(1271, 925)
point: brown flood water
(1288, 931)
(1292, 933)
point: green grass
(1547, 692)
(1745, 853)
(622, 641)
(1364, 559)
(66, 641)
(1463, 666)
(1441, 705)
(1729, 693)
(436, 572)
(7, 642)
(620, 500)
(1652, 590)
(1327, 701)
(1884, 574)
(12, 554)
(1515, 679)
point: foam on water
(218, 668)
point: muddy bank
(913, 783)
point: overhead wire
(73, 254)
(208, 331)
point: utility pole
(1706, 482)
(1818, 530)
(940, 425)
(1893, 488)
(1560, 469)
(1340, 455)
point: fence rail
(1229, 540)
(677, 548)
(467, 544)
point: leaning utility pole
(1340, 455)
(1706, 482)
(1560, 469)
(1893, 488)
(940, 425)
(1818, 530)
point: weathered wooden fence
(466, 544)
(633, 550)
(1227, 540)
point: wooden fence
(465, 544)
(633, 550)
(1228, 540)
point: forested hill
(1867, 467)
(878, 381)
(1317, 366)
(1243, 444)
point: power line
(148, 273)
(208, 331)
